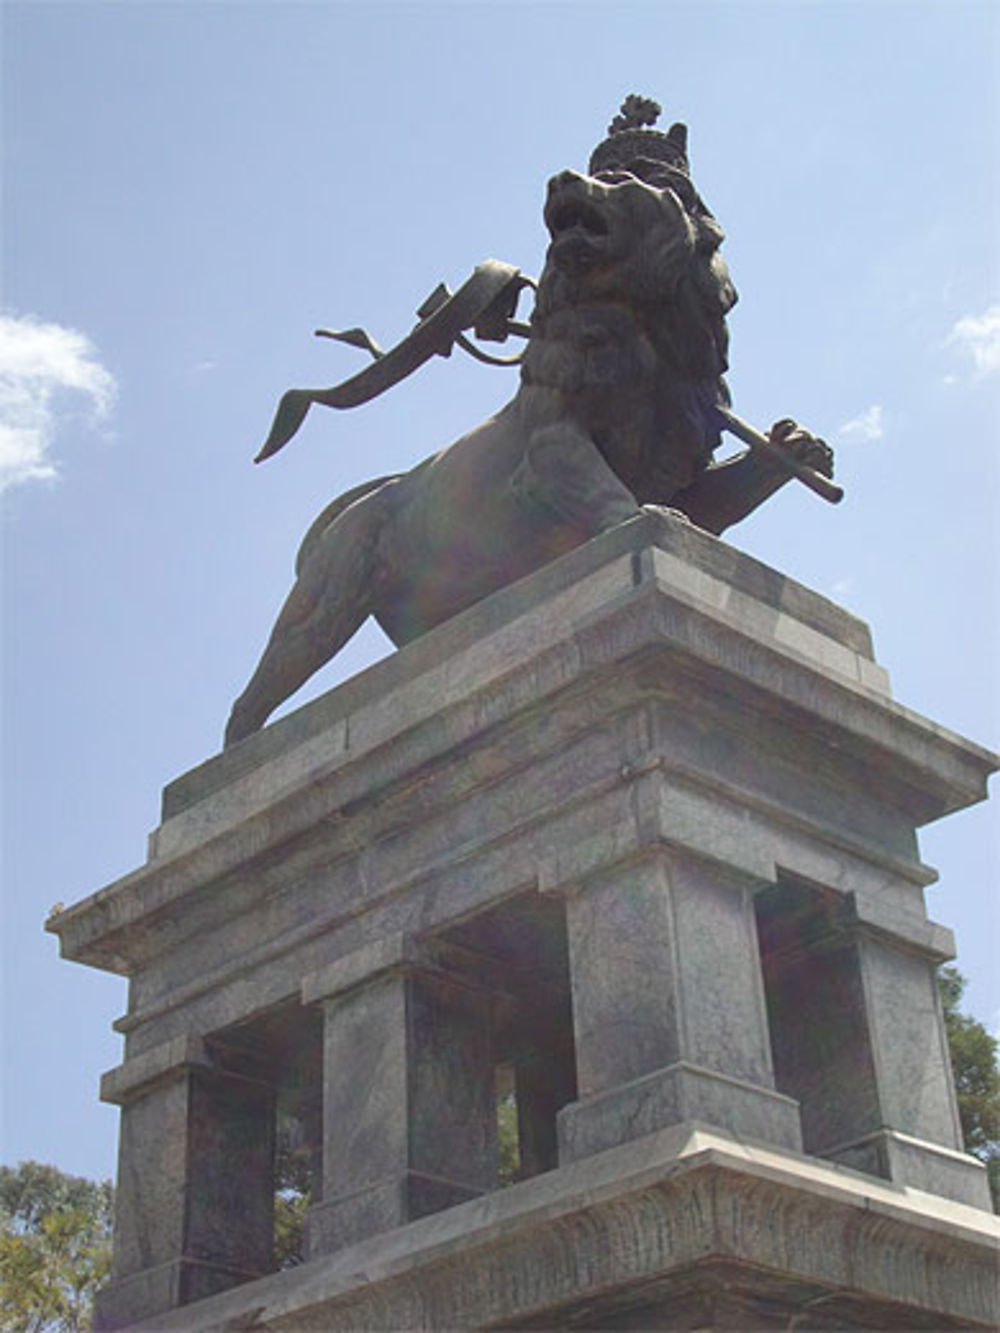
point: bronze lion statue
(617, 408)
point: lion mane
(629, 330)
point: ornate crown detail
(629, 138)
(635, 112)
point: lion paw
(664, 511)
(805, 447)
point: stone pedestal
(634, 838)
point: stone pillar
(668, 1006)
(409, 1103)
(859, 1040)
(544, 1083)
(194, 1201)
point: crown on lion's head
(631, 138)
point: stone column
(668, 1005)
(859, 1039)
(409, 1103)
(194, 1201)
(544, 1082)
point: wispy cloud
(979, 337)
(868, 425)
(40, 366)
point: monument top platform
(748, 581)
(718, 621)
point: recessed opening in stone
(279, 1054)
(816, 1013)
(508, 1137)
(518, 950)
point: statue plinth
(638, 831)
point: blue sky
(190, 189)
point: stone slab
(123, 1082)
(551, 633)
(716, 559)
(675, 1095)
(926, 1166)
(768, 621)
(165, 1287)
(646, 1217)
(387, 1204)
(392, 953)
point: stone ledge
(765, 621)
(538, 609)
(929, 939)
(136, 1075)
(378, 1207)
(651, 1212)
(869, 870)
(174, 1284)
(697, 548)
(929, 1166)
(680, 1093)
(600, 623)
(385, 957)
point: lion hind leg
(330, 600)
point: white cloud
(867, 426)
(40, 364)
(979, 336)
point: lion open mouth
(575, 215)
(579, 230)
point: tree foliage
(55, 1248)
(292, 1189)
(975, 1061)
(509, 1156)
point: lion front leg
(728, 492)
(565, 474)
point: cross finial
(635, 112)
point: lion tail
(333, 509)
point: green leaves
(55, 1248)
(974, 1062)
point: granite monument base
(685, 1229)
(632, 843)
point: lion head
(640, 237)
(630, 317)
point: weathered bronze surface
(620, 407)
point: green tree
(292, 1191)
(55, 1248)
(509, 1163)
(975, 1062)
